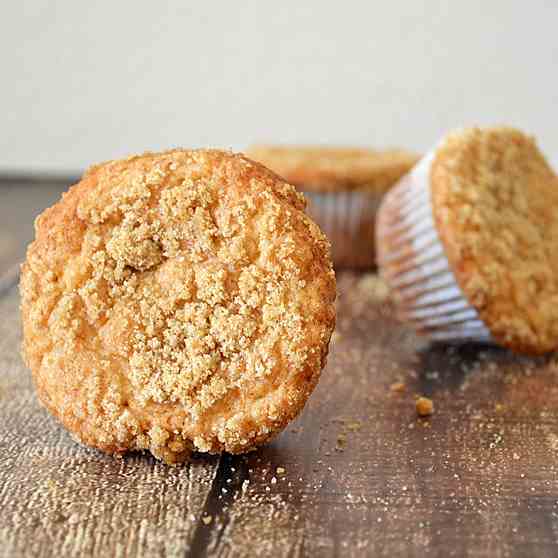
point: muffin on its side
(177, 301)
(468, 242)
(344, 186)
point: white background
(87, 81)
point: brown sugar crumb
(207, 519)
(398, 387)
(185, 297)
(353, 426)
(280, 470)
(348, 426)
(494, 199)
(424, 406)
(341, 442)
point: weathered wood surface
(359, 474)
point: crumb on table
(398, 387)
(425, 406)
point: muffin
(177, 301)
(344, 187)
(468, 242)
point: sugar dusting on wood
(479, 478)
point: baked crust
(334, 169)
(495, 204)
(177, 301)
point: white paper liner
(412, 260)
(348, 220)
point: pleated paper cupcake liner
(348, 220)
(412, 260)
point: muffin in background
(468, 242)
(344, 187)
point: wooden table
(357, 475)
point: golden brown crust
(176, 301)
(495, 202)
(334, 169)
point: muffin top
(332, 169)
(495, 204)
(177, 300)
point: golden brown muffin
(345, 187)
(468, 241)
(334, 169)
(495, 203)
(176, 301)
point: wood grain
(477, 479)
(58, 497)
(362, 475)
(359, 474)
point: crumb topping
(495, 201)
(177, 300)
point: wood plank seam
(220, 497)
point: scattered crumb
(347, 426)
(398, 387)
(207, 519)
(354, 426)
(341, 442)
(280, 470)
(374, 287)
(425, 406)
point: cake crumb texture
(495, 202)
(177, 301)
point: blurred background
(83, 82)
(88, 81)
